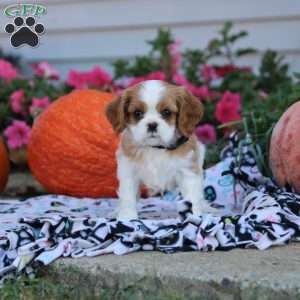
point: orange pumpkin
(72, 146)
(285, 148)
(4, 166)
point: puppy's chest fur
(161, 170)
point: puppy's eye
(166, 113)
(138, 114)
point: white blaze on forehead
(151, 92)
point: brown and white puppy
(158, 148)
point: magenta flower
(151, 76)
(44, 69)
(97, 77)
(158, 75)
(201, 92)
(17, 134)
(208, 73)
(7, 71)
(16, 102)
(181, 80)
(206, 134)
(77, 80)
(228, 108)
(39, 104)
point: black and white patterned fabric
(254, 212)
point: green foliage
(273, 72)
(78, 286)
(162, 41)
(192, 60)
(240, 82)
(158, 58)
(223, 45)
(140, 66)
(260, 116)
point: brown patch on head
(136, 110)
(190, 111)
(168, 109)
(116, 113)
(125, 109)
(184, 109)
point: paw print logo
(24, 32)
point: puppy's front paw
(127, 214)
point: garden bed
(235, 96)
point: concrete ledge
(237, 274)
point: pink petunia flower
(201, 92)
(206, 134)
(16, 101)
(208, 73)
(17, 134)
(7, 71)
(181, 80)
(44, 69)
(77, 80)
(97, 77)
(158, 75)
(39, 104)
(228, 108)
(229, 68)
(175, 55)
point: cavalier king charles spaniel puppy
(158, 148)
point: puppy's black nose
(152, 127)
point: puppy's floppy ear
(190, 111)
(116, 113)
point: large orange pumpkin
(72, 146)
(285, 148)
(4, 166)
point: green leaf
(234, 37)
(162, 40)
(297, 75)
(226, 28)
(273, 72)
(245, 51)
(192, 59)
(120, 68)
